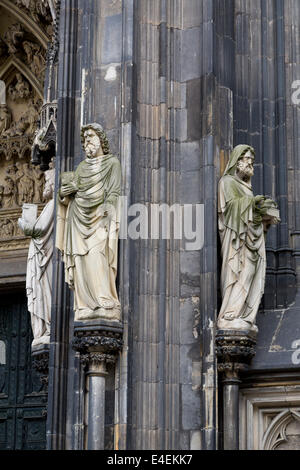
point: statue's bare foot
(236, 324)
(84, 314)
(230, 316)
(45, 339)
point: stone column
(235, 350)
(96, 392)
(98, 343)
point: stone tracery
(22, 69)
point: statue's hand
(68, 188)
(258, 199)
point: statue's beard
(91, 150)
(244, 171)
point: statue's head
(241, 162)
(244, 168)
(94, 140)
(49, 184)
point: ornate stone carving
(234, 347)
(38, 9)
(243, 219)
(20, 183)
(35, 57)
(40, 362)
(5, 118)
(88, 213)
(6, 228)
(43, 148)
(97, 344)
(27, 122)
(39, 262)
(20, 90)
(234, 351)
(23, 184)
(13, 37)
(283, 432)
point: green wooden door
(22, 399)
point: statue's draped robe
(89, 241)
(243, 249)
(39, 274)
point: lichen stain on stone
(209, 390)
(111, 74)
(197, 316)
(275, 347)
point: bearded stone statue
(243, 221)
(87, 228)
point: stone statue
(35, 57)
(5, 118)
(243, 220)
(39, 184)
(87, 228)
(6, 228)
(39, 261)
(13, 36)
(26, 123)
(20, 90)
(9, 193)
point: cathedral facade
(175, 85)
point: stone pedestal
(235, 350)
(99, 344)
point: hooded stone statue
(87, 228)
(243, 220)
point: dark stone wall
(176, 85)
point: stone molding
(265, 414)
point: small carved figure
(6, 228)
(243, 219)
(87, 228)
(39, 263)
(13, 36)
(24, 3)
(38, 184)
(17, 128)
(20, 90)
(26, 123)
(35, 57)
(9, 193)
(42, 8)
(5, 118)
(25, 183)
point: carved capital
(234, 350)
(97, 344)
